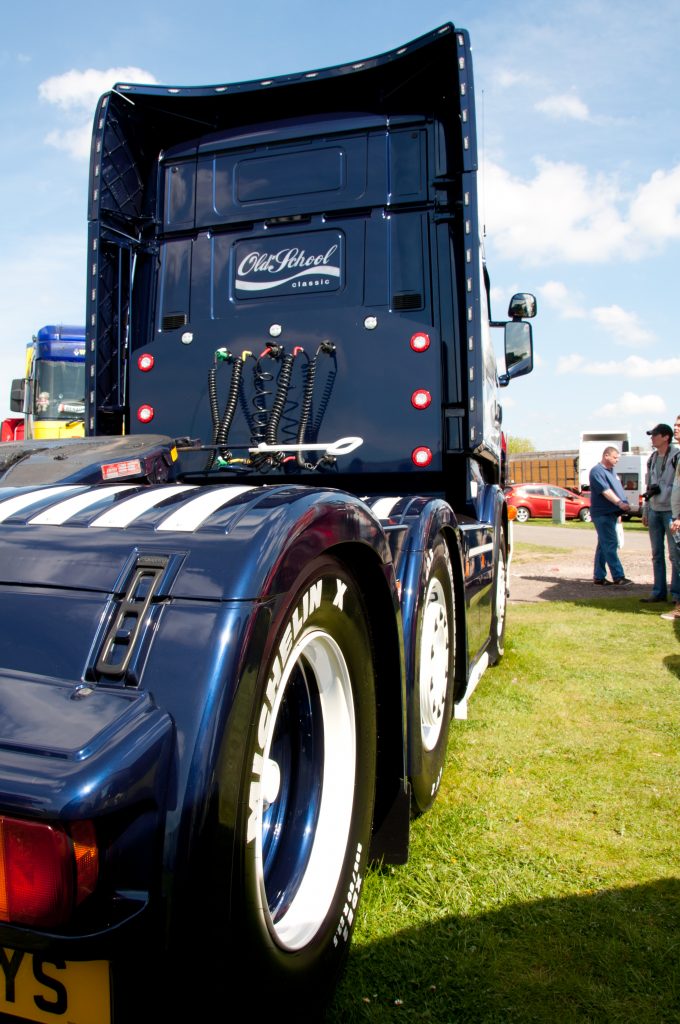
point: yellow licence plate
(36, 988)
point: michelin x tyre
(432, 693)
(499, 607)
(306, 803)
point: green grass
(544, 885)
(631, 525)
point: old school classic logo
(286, 265)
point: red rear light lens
(421, 398)
(145, 362)
(145, 413)
(421, 456)
(44, 871)
(420, 342)
(37, 873)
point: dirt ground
(567, 575)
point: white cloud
(625, 327)
(560, 214)
(567, 105)
(80, 90)
(507, 78)
(556, 295)
(630, 404)
(632, 366)
(570, 364)
(566, 213)
(655, 210)
(76, 93)
(74, 141)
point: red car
(536, 501)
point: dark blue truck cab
(239, 615)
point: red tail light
(421, 399)
(45, 870)
(145, 413)
(145, 362)
(421, 456)
(420, 342)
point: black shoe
(654, 600)
(623, 581)
(602, 583)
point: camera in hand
(651, 491)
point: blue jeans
(658, 524)
(606, 552)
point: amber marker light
(512, 512)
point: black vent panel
(407, 300)
(172, 321)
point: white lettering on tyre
(339, 598)
(436, 784)
(351, 900)
(310, 601)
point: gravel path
(567, 575)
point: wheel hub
(307, 789)
(434, 664)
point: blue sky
(580, 183)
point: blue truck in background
(240, 613)
(51, 394)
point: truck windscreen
(59, 390)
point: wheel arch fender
(341, 526)
(348, 531)
(392, 803)
(365, 554)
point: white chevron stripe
(63, 510)
(192, 513)
(124, 512)
(383, 507)
(481, 549)
(22, 501)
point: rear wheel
(434, 675)
(500, 605)
(584, 515)
(307, 796)
(522, 514)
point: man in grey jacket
(675, 514)
(656, 513)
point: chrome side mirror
(519, 349)
(523, 304)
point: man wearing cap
(675, 513)
(656, 512)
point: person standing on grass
(657, 515)
(675, 516)
(607, 503)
